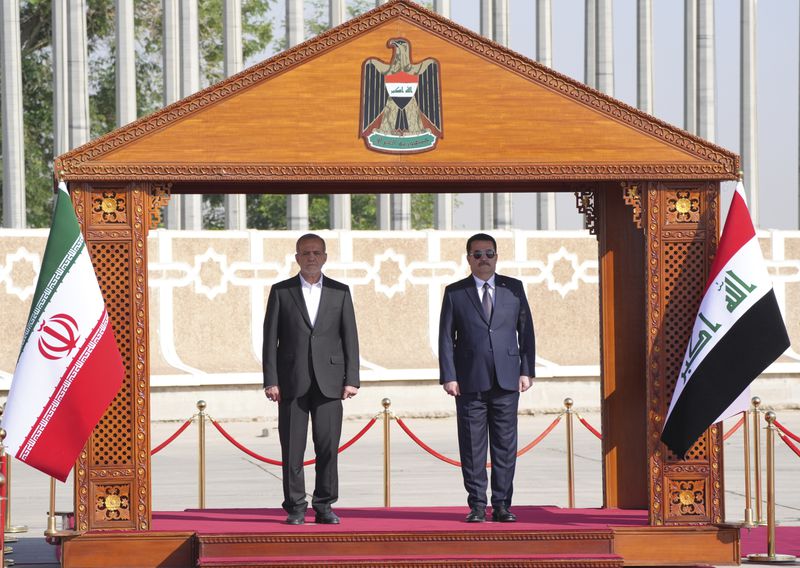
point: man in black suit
(486, 358)
(310, 363)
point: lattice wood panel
(681, 240)
(112, 480)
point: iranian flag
(738, 332)
(69, 367)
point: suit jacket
(472, 350)
(293, 348)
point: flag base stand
(771, 558)
(16, 529)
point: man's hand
(273, 393)
(451, 388)
(349, 392)
(524, 383)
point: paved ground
(237, 480)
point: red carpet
(416, 519)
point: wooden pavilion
(334, 115)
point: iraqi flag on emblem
(69, 367)
(738, 332)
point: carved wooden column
(681, 239)
(112, 474)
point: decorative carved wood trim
(681, 242)
(314, 172)
(159, 197)
(587, 206)
(632, 196)
(720, 163)
(112, 473)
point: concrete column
(706, 127)
(500, 22)
(545, 202)
(235, 203)
(126, 63)
(644, 55)
(337, 10)
(487, 17)
(297, 212)
(443, 212)
(13, 138)
(192, 206)
(487, 30)
(749, 120)
(442, 202)
(605, 47)
(296, 205)
(78, 75)
(171, 56)
(590, 44)
(60, 93)
(502, 201)
(340, 212)
(401, 211)
(383, 210)
(690, 66)
(503, 211)
(339, 209)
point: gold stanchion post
(9, 528)
(201, 440)
(771, 556)
(387, 487)
(748, 499)
(757, 456)
(570, 454)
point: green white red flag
(739, 332)
(69, 367)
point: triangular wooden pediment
(299, 116)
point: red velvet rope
(789, 443)
(786, 431)
(456, 463)
(259, 457)
(734, 428)
(590, 427)
(171, 439)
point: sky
(777, 89)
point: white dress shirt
(479, 283)
(311, 294)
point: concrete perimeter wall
(208, 293)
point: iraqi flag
(738, 332)
(69, 367)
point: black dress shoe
(476, 515)
(503, 515)
(296, 518)
(327, 518)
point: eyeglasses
(477, 254)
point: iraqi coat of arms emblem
(401, 102)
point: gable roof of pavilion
(296, 117)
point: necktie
(487, 301)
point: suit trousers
(326, 431)
(488, 416)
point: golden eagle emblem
(401, 102)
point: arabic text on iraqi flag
(738, 332)
(69, 367)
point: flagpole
(51, 530)
(748, 500)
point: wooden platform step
(484, 544)
(421, 561)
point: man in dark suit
(310, 362)
(486, 358)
